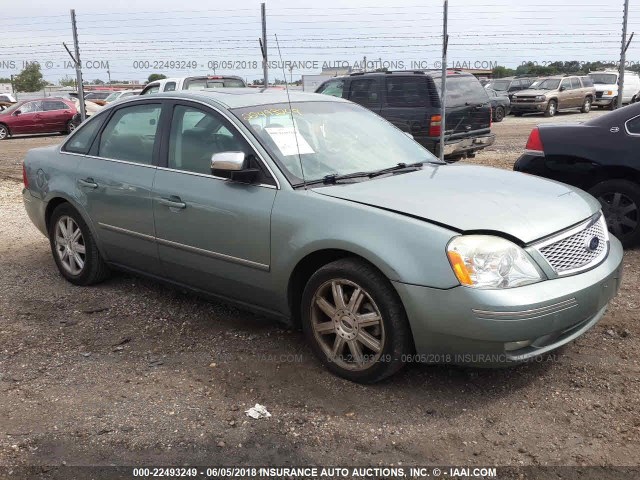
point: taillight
(435, 125)
(25, 180)
(535, 142)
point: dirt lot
(132, 372)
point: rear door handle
(87, 182)
(172, 202)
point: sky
(125, 40)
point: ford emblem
(591, 244)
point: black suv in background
(411, 101)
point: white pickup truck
(193, 83)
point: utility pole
(13, 88)
(364, 64)
(443, 86)
(109, 75)
(265, 67)
(83, 113)
(623, 52)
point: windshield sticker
(285, 139)
(270, 112)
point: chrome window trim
(598, 217)
(186, 99)
(146, 165)
(205, 175)
(626, 127)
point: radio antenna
(293, 122)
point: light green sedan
(316, 211)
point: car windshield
(604, 78)
(327, 138)
(499, 85)
(548, 84)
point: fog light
(511, 346)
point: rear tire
(355, 322)
(552, 108)
(620, 200)
(74, 249)
(499, 114)
(586, 106)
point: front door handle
(172, 202)
(88, 182)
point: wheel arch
(307, 266)
(56, 199)
(605, 173)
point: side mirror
(17, 112)
(562, 89)
(232, 165)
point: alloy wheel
(621, 212)
(70, 246)
(347, 324)
(552, 109)
(3, 132)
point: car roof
(242, 97)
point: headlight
(540, 98)
(487, 262)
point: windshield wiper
(400, 167)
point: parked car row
(312, 209)
(46, 115)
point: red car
(44, 115)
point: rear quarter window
(463, 89)
(633, 126)
(82, 139)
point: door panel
(220, 241)
(116, 188)
(213, 234)
(121, 209)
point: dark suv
(510, 85)
(411, 101)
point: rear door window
(407, 91)
(575, 83)
(130, 134)
(364, 92)
(49, 105)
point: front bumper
(603, 101)
(463, 146)
(528, 107)
(495, 327)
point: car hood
(470, 198)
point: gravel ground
(132, 372)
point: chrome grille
(573, 251)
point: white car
(606, 83)
(7, 98)
(193, 83)
(121, 94)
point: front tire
(552, 108)
(70, 126)
(74, 249)
(4, 132)
(620, 200)
(614, 104)
(355, 322)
